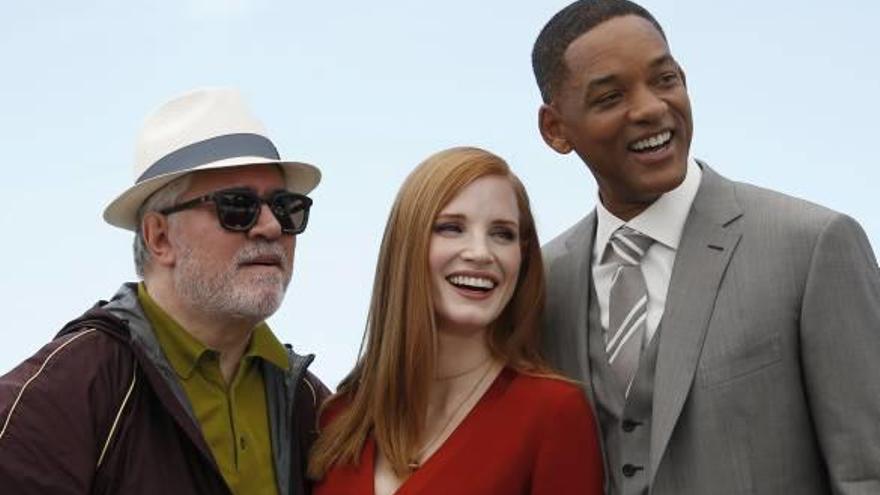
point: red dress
(526, 435)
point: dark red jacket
(99, 411)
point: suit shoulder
(557, 246)
(792, 227)
(785, 208)
(784, 219)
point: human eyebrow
(450, 216)
(596, 84)
(506, 223)
(662, 60)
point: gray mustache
(251, 252)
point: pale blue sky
(785, 94)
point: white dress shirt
(663, 221)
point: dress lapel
(708, 241)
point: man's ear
(551, 127)
(154, 229)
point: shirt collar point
(662, 221)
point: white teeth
(478, 282)
(652, 142)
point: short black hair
(566, 26)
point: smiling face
(624, 110)
(475, 255)
(234, 274)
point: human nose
(477, 249)
(267, 225)
(646, 106)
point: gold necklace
(415, 463)
(462, 373)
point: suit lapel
(707, 244)
(576, 263)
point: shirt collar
(266, 346)
(183, 350)
(662, 221)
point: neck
(228, 336)
(461, 358)
(459, 353)
(465, 369)
(625, 210)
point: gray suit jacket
(768, 372)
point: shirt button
(629, 425)
(629, 470)
(242, 443)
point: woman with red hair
(449, 394)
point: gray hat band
(212, 150)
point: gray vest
(625, 422)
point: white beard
(227, 291)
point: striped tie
(628, 304)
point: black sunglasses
(238, 209)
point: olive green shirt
(233, 417)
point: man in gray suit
(728, 336)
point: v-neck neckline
(449, 445)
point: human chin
(227, 291)
(256, 302)
(258, 280)
(463, 320)
(258, 292)
(647, 181)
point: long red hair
(386, 394)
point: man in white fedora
(177, 385)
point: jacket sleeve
(55, 414)
(310, 395)
(840, 339)
(568, 458)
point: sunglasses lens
(292, 211)
(237, 210)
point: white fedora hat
(200, 130)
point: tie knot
(628, 246)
